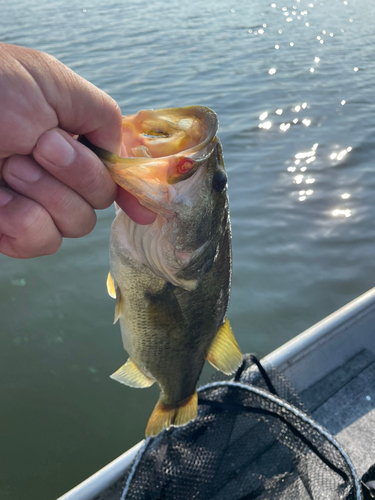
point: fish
(171, 279)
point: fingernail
(5, 197)
(56, 149)
(24, 169)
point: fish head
(161, 149)
(174, 166)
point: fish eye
(219, 181)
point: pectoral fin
(111, 286)
(224, 353)
(115, 293)
(129, 374)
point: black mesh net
(247, 443)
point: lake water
(293, 86)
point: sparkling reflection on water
(293, 86)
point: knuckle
(90, 181)
(60, 200)
(89, 224)
(34, 217)
(82, 225)
(73, 215)
(52, 246)
(38, 237)
(105, 202)
(116, 113)
(42, 236)
(95, 185)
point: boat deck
(332, 366)
(344, 403)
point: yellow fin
(164, 416)
(129, 374)
(224, 353)
(188, 284)
(111, 286)
(118, 305)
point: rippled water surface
(293, 86)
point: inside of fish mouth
(153, 134)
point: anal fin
(224, 353)
(111, 287)
(165, 416)
(129, 374)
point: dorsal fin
(129, 374)
(224, 353)
(111, 287)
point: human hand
(50, 183)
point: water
(302, 246)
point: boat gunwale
(332, 325)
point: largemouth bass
(171, 279)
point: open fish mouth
(163, 148)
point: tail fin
(164, 416)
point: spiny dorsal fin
(224, 353)
(111, 286)
(164, 416)
(129, 374)
(118, 306)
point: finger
(131, 206)
(2, 181)
(26, 228)
(76, 166)
(81, 108)
(72, 215)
